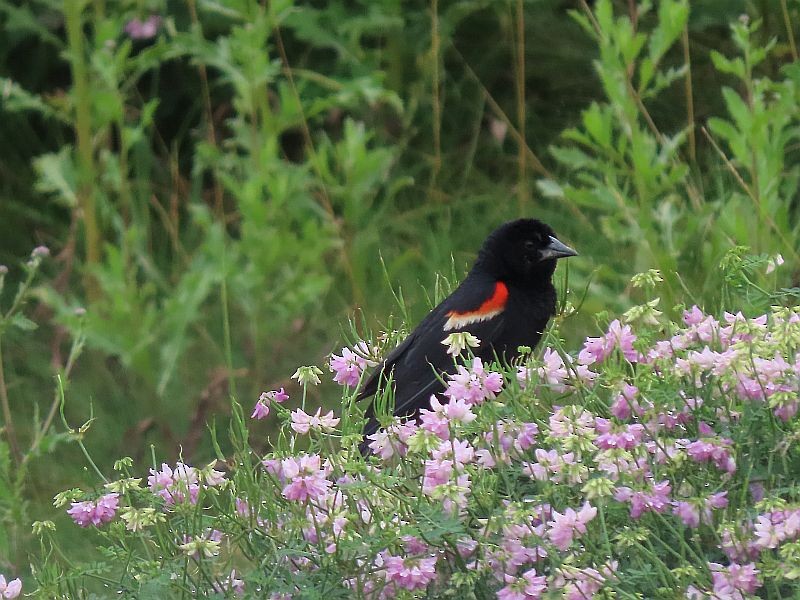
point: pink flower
(716, 451)
(563, 527)
(693, 316)
(552, 466)
(475, 385)
(625, 437)
(571, 421)
(693, 513)
(10, 589)
(554, 371)
(175, 485)
(528, 587)
(101, 511)
(656, 499)
(687, 512)
(460, 451)
(261, 409)
(387, 443)
(734, 581)
(410, 573)
(456, 410)
(307, 479)
(435, 422)
(767, 533)
(348, 367)
(143, 30)
(302, 422)
(596, 350)
(437, 472)
(526, 438)
(623, 338)
(625, 403)
(230, 583)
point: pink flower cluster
(474, 385)
(654, 498)
(734, 582)
(394, 440)
(94, 512)
(183, 483)
(348, 367)
(596, 350)
(528, 586)
(302, 423)
(564, 527)
(555, 373)
(692, 513)
(261, 409)
(305, 478)
(409, 573)
(583, 584)
(508, 494)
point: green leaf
(550, 189)
(22, 322)
(57, 175)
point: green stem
(8, 420)
(83, 129)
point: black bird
(506, 301)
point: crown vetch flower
(475, 385)
(596, 350)
(459, 341)
(175, 485)
(306, 375)
(734, 581)
(348, 367)
(454, 410)
(307, 478)
(529, 586)
(435, 421)
(410, 573)
(656, 499)
(261, 409)
(564, 527)
(138, 29)
(394, 440)
(97, 512)
(302, 422)
(10, 589)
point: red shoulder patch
(491, 307)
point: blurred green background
(224, 184)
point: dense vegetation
(223, 185)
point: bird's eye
(530, 245)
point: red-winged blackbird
(506, 301)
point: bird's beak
(556, 249)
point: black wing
(415, 363)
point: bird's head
(523, 251)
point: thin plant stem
(83, 130)
(435, 90)
(211, 134)
(8, 420)
(522, 183)
(75, 351)
(789, 33)
(226, 325)
(534, 161)
(687, 60)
